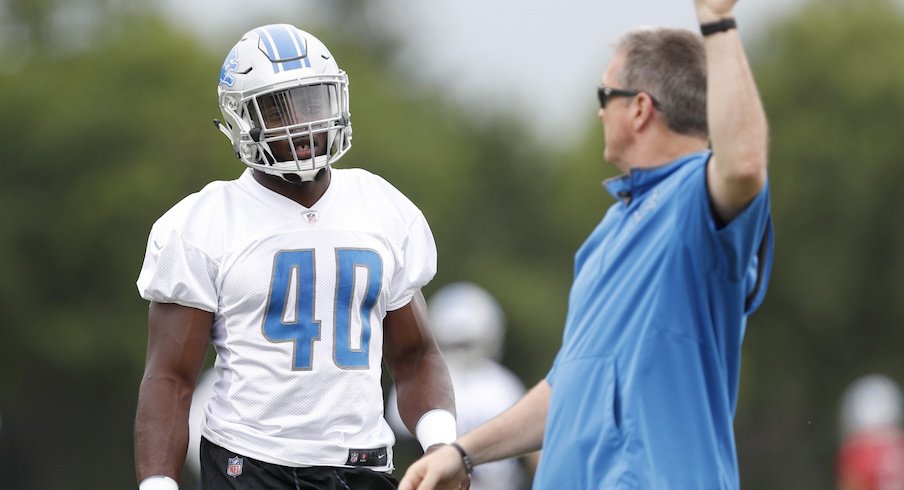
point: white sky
(535, 58)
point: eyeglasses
(606, 94)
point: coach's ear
(644, 108)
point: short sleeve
(551, 375)
(175, 271)
(417, 263)
(744, 235)
(746, 247)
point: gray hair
(670, 65)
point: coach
(643, 391)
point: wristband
(158, 482)
(465, 459)
(435, 427)
(721, 25)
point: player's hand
(440, 469)
(713, 10)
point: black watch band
(721, 25)
(465, 459)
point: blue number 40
(290, 308)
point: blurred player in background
(871, 455)
(469, 326)
(304, 278)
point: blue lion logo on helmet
(229, 67)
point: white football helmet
(467, 322)
(872, 402)
(285, 103)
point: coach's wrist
(723, 25)
(465, 458)
(158, 482)
(706, 16)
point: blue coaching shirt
(645, 384)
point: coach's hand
(441, 468)
(713, 10)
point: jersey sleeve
(175, 271)
(418, 263)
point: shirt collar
(626, 186)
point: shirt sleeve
(743, 236)
(551, 374)
(175, 271)
(744, 246)
(418, 263)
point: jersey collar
(638, 180)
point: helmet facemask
(285, 103)
(298, 129)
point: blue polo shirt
(645, 384)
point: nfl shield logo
(234, 466)
(311, 216)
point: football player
(871, 454)
(303, 277)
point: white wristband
(158, 482)
(435, 427)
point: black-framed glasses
(605, 94)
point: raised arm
(417, 367)
(737, 123)
(516, 431)
(177, 344)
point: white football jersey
(299, 296)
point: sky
(537, 59)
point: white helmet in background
(285, 103)
(467, 322)
(870, 403)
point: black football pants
(222, 469)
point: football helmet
(872, 402)
(467, 322)
(284, 102)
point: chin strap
(290, 177)
(298, 177)
(223, 129)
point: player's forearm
(737, 122)
(422, 386)
(517, 431)
(161, 427)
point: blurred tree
(100, 141)
(831, 80)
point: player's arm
(516, 431)
(177, 345)
(419, 373)
(737, 122)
